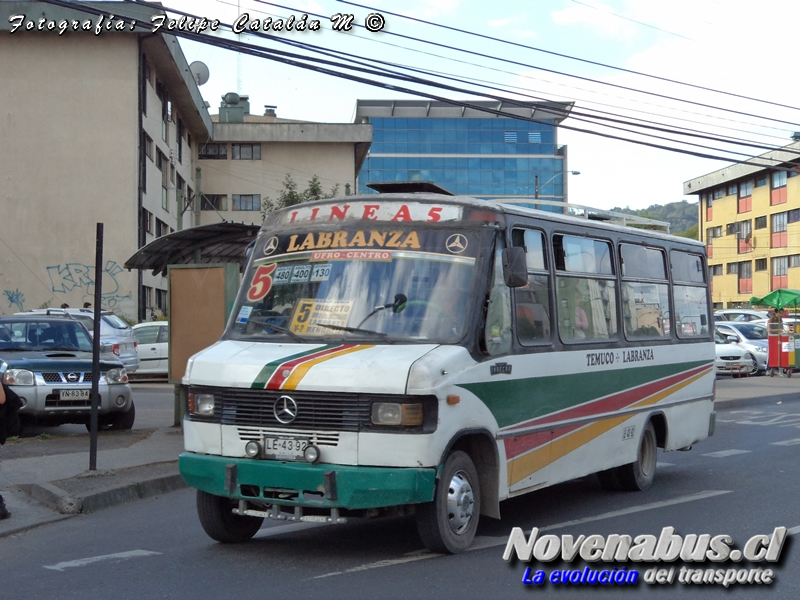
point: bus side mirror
(515, 267)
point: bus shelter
(782, 342)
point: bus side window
(532, 301)
(497, 332)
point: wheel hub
(460, 502)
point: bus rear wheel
(448, 524)
(639, 474)
(220, 523)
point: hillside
(682, 216)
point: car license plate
(75, 394)
(285, 448)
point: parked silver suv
(113, 331)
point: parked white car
(153, 348)
(730, 358)
(740, 314)
(750, 337)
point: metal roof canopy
(217, 243)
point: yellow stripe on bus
(301, 369)
(527, 464)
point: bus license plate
(285, 448)
(74, 394)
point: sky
(742, 48)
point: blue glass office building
(467, 151)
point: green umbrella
(780, 299)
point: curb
(57, 499)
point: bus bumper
(305, 484)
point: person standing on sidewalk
(9, 422)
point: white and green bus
(436, 355)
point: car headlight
(764, 350)
(201, 404)
(394, 413)
(117, 376)
(19, 377)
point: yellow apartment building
(750, 221)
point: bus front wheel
(220, 523)
(639, 474)
(448, 524)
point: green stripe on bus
(263, 377)
(520, 400)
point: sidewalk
(43, 489)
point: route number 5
(262, 282)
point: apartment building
(750, 221)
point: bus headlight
(252, 449)
(201, 404)
(394, 413)
(19, 377)
(311, 454)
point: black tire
(220, 523)
(104, 423)
(448, 524)
(753, 364)
(638, 475)
(123, 421)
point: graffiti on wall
(69, 276)
(15, 298)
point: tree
(690, 233)
(289, 196)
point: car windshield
(43, 336)
(381, 285)
(751, 331)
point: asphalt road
(741, 482)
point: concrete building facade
(106, 128)
(750, 221)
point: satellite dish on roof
(199, 72)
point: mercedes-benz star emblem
(72, 377)
(285, 410)
(456, 243)
(270, 246)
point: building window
(161, 228)
(214, 202)
(147, 142)
(161, 301)
(779, 234)
(794, 260)
(214, 152)
(719, 193)
(780, 276)
(510, 137)
(746, 188)
(761, 264)
(793, 216)
(534, 137)
(778, 193)
(745, 277)
(147, 217)
(733, 268)
(709, 207)
(761, 179)
(246, 151)
(733, 189)
(147, 292)
(180, 141)
(163, 166)
(745, 197)
(761, 222)
(246, 202)
(715, 270)
(745, 236)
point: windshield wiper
(356, 330)
(280, 329)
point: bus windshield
(381, 284)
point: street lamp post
(536, 182)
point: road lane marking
(787, 442)
(82, 562)
(663, 464)
(793, 530)
(492, 541)
(726, 453)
